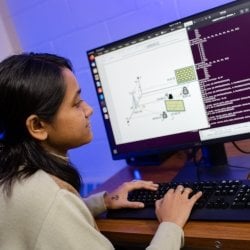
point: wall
(70, 27)
(9, 41)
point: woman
(42, 116)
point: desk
(136, 234)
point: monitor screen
(180, 85)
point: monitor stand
(215, 155)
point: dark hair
(30, 83)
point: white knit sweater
(41, 214)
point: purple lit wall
(71, 27)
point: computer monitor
(184, 84)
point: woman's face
(71, 126)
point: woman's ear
(36, 128)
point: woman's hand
(119, 197)
(176, 205)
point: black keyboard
(227, 200)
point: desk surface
(198, 234)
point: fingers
(134, 204)
(158, 203)
(176, 205)
(179, 188)
(196, 197)
(186, 192)
(182, 189)
(140, 184)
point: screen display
(180, 85)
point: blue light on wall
(1, 136)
